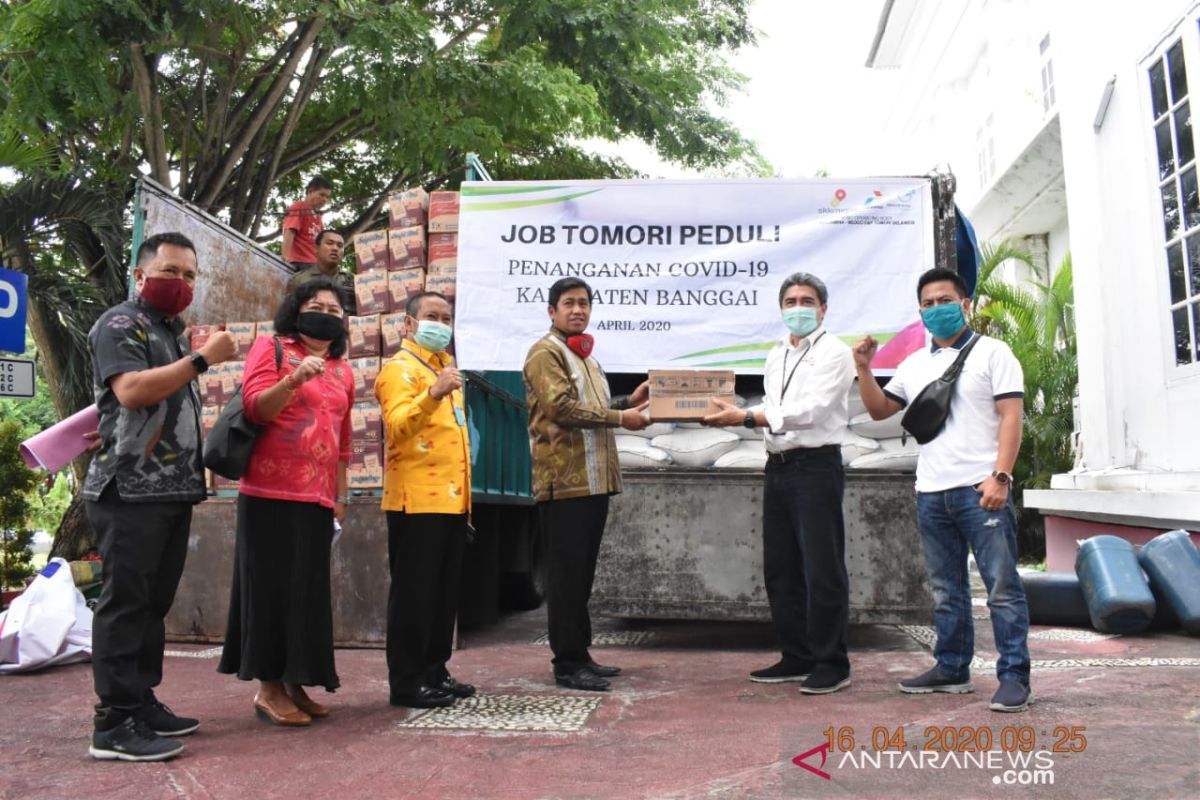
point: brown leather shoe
(306, 703)
(291, 719)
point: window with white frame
(1047, 75)
(1180, 193)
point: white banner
(686, 274)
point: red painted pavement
(683, 722)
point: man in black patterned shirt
(139, 493)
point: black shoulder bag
(926, 414)
(228, 446)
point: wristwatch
(749, 421)
(1004, 478)
(199, 363)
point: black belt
(800, 453)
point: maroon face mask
(581, 344)
(169, 295)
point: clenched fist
(864, 351)
(448, 380)
(309, 368)
(221, 346)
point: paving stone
(535, 713)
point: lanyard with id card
(787, 376)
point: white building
(1069, 125)
(977, 95)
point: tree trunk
(145, 69)
(68, 375)
(74, 538)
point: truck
(241, 280)
(681, 542)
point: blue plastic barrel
(1118, 597)
(1056, 598)
(1173, 564)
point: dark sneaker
(163, 720)
(936, 681)
(132, 740)
(1011, 696)
(782, 672)
(825, 681)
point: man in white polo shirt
(964, 489)
(806, 382)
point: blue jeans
(950, 521)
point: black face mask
(320, 326)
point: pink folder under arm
(53, 448)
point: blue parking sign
(14, 289)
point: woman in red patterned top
(280, 629)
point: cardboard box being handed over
(686, 395)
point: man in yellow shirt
(427, 497)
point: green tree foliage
(50, 501)
(17, 483)
(69, 239)
(235, 104)
(1036, 319)
(36, 413)
(50, 504)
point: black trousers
(804, 565)
(571, 532)
(143, 547)
(425, 553)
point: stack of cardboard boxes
(418, 251)
(219, 383)
(363, 351)
(442, 273)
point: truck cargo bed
(687, 544)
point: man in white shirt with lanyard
(806, 382)
(964, 489)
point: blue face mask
(801, 320)
(432, 335)
(945, 320)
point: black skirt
(280, 618)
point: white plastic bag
(49, 623)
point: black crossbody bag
(926, 414)
(228, 446)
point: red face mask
(581, 344)
(169, 295)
